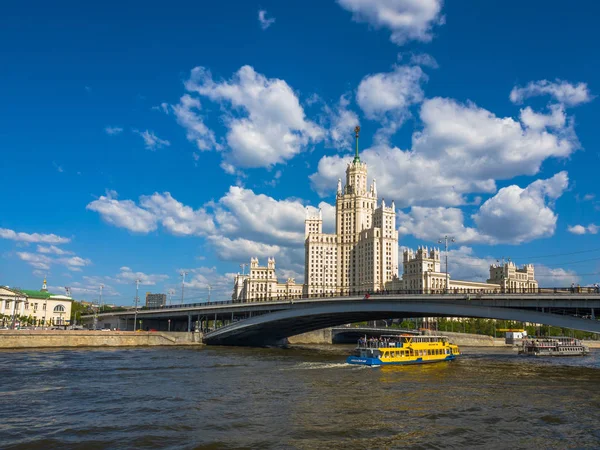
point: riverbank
(10, 339)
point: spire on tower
(44, 287)
(356, 132)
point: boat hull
(374, 362)
(555, 353)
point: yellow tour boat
(404, 349)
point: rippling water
(304, 398)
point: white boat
(553, 346)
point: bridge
(270, 322)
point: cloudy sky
(142, 139)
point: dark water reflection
(216, 398)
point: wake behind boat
(405, 349)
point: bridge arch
(272, 328)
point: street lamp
(445, 240)
(183, 273)
(14, 315)
(137, 285)
(45, 310)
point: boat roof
(412, 336)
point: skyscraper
(155, 300)
(362, 255)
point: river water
(296, 398)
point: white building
(260, 284)
(34, 307)
(510, 278)
(362, 255)
(422, 273)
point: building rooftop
(41, 294)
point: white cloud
(564, 92)
(473, 139)
(580, 229)
(123, 213)
(391, 92)
(58, 168)
(424, 59)
(74, 262)
(266, 124)
(89, 288)
(157, 208)
(252, 224)
(407, 19)
(463, 264)
(429, 224)
(241, 249)
(5, 233)
(197, 286)
(262, 19)
(197, 131)
(176, 217)
(514, 215)
(35, 260)
(151, 141)
(577, 229)
(339, 123)
(554, 277)
(44, 262)
(556, 119)
(113, 130)
(52, 249)
(128, 276)
(462, 149)
(518, 215)
(239, 225)
(258, 217)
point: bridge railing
(368, 294)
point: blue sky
(142, 139)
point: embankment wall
(323, 336)
(72, 338)
(472, 340)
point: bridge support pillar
(593, 314)
(189, 322)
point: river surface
(296, 398)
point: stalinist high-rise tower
(362, 255)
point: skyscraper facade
(362, 254)
(155, 300)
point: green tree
(77, 310)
